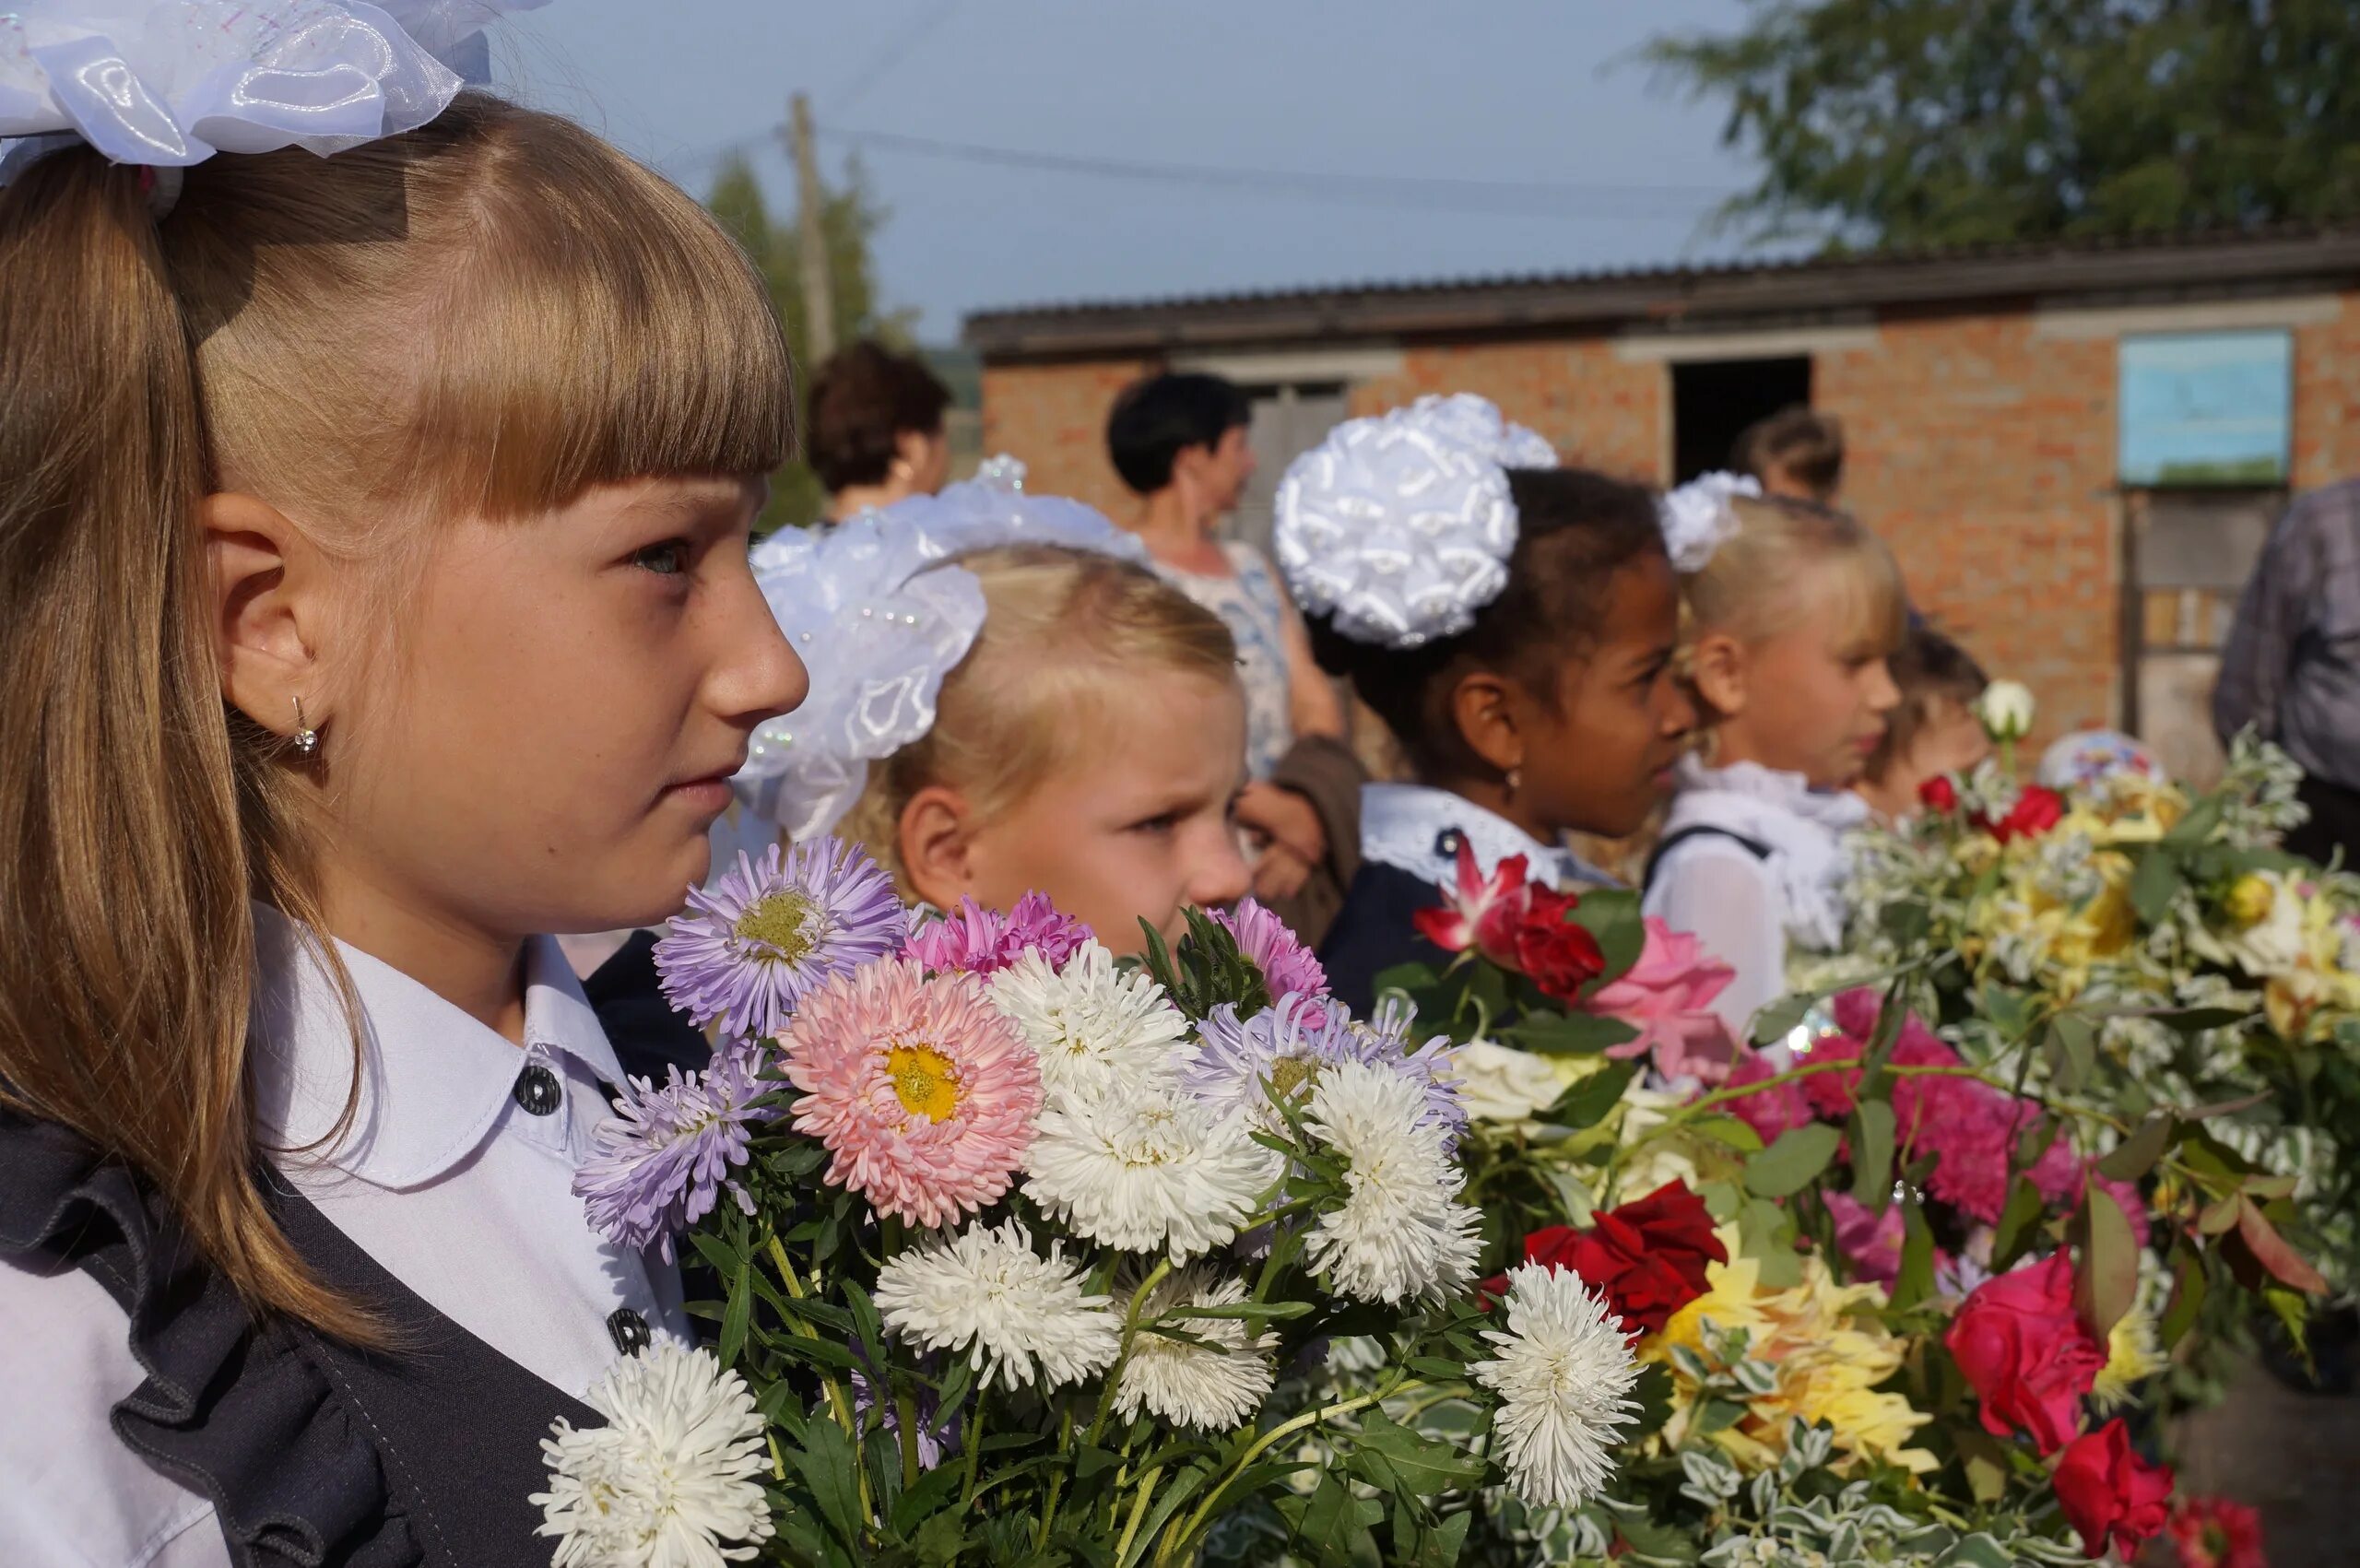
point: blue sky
(1611, 166)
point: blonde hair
(1752, 588)
(487, 315)
(1064, 632)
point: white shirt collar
(1418, 829)
(434, 1080)
(1803, 829)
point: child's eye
(1161, 822)
(667, 558)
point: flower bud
(2006, 710)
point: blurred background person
(875, 429)
(1797, 453)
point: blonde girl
(1005, 700)
(1791, 612)
(373, 597)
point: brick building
(2075, 449)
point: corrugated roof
(1684, 294)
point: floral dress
(1251, 606)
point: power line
(894, 53)
(1505, 197)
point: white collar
(1418, 829)
(433, 1078)
(1801, 827)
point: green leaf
(2188, 1287)
(1788, 1165)
(1782, 1018)
(2257, 1239)
(2073, 1049)
(939, 1540)
(2108, 1280)
(830, 1473)
(1423, 1464)
(1588, 1102)
(736, 1317)
(1766, 1234)
(2153, 884)
(1652, 1393)
(1435, 1547)
(1729, 1130)
(1566, 1034)
(1915, 1282)
(1611, 915)
(2015, 1230)
(2136, 1155)
(1873, 1154)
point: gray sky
(1601, 166)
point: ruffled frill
(236, 1411)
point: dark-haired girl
(1513, 624)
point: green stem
(1139, 1511)
(1130, 1332)
(974, 1439)
(1262, 1445)
(835, 1395)
(905, 1405)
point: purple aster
(975, 940)
(753, 945)
(1287, 966)
(1285, 1046)
(658, 1165)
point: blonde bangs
(522, 312)
(625, 335)
(1755, 585)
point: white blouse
(1747, 908)
(1417, 829)
(445, 1178)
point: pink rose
(1667, 996)
(2026, 1352)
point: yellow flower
(2132, 1355)
(1829, 1350)
(2249, 902)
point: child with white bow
(1791, 611)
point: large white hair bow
(1398, 528)
(1697, 517)
(169, 83)
(879, 615)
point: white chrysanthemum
(1145, 1166)
(1028, 1317)
(669, 1478)
(1089, 1024)
(1214, 1386)
(1564, 1375)
(1399, 1232)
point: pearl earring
(307, 739)
(1515, 780)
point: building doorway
(1290, 418)
(1712, 401)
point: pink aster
(975, 940)
(921, 1089)
(1871, 1242)
(1287, 966)
(1667, 996)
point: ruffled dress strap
(240, 1412)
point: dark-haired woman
(876, 433)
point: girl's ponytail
(126, 964)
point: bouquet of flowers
(1008, 1246)
(2161, 949)
(1895, 1301)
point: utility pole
(810, 224)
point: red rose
(1647, 1257)
(2112, 1496)
(1559, 956)
(2035, 811)
(2027, 1353)
(1938, 794)
(2213, 1532)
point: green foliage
(1907, 123)
(851, 216)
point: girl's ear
(1718, 669)
(935, 838)
(1486, 706)
(266, 607)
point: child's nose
(1219, 876)
(761, 676)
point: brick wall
(1984, 454)
(1982, 448)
